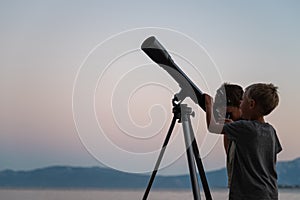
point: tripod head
(152, 47)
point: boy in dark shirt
(254, 170)
(227, 105)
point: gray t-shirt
(254, 172)
(230, 160)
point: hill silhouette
(96, 177)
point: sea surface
(47, 194)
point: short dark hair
(229, 95)
(265, 96)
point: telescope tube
(159, 55)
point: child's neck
(258, 118)
(261, 119)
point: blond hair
(265, 96)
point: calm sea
(220, 194)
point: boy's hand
(224, 120)
(212, 126)
(228, 120)
(208, 101)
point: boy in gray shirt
(254, 169)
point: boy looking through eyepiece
(227, 104)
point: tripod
(182, 113)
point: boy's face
(233, 111)
(246, 106)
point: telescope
(182, 113)
(152, 47)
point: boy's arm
(211, 123)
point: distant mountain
(289, 173)
(95, 177)
(79, 177)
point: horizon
(57, 177)
(105, 167)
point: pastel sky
(44, 43)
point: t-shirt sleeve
(233, 130)
(278, 147)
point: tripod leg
(200, 165)
(190, 157)
(160, 158)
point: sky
(77, 90)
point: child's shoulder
(254, 125)
(241, 122)
(251, 124)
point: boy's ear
(252, 104)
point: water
(220, 194)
